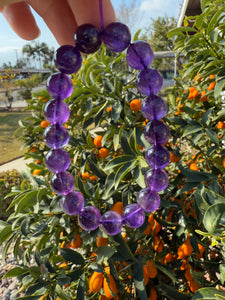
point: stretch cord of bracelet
(139, 55)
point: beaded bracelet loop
(139, 55)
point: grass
(9, 144)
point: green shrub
(8, 180)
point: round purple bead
(156, 179)
(116, 36)
(149, 82)
(153, 107)
(148, 200)
(56, 136)
(62, 183)
(72, 203)
(133, 216)
(157, 156)
(59, 86)
(111, 222)
(89, 218)
(139, 55)
(87, 38)
(68, 59)
(56, 111)
(57, 160)
(156, 132)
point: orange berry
(193, 286)
(151, 269)
(109, 287)
(193, 167)
(36, 172)
(174, 157)
(63, 265)
(201, 249)
(96, 282)
(118, 207)
(187, 274)
(195, 93)
(101, 241)
(184, 265)
(98, 141)
(203, 97)
(192, 89)
(135, 105)
(103, 152)
(211, 76)
(93, 178)
(45, 124)
(211, 86)
(185, 249)
(147, 230)
(109, 108)
(38, 161)
(33, 150)
(197, 77)
(146, 277)
(85, 175)
(153, 294)
(220, 125)
(168, 258)
(76, 242)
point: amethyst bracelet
(139, 55)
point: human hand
(61, 16)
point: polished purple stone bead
(149, 82)
(57, 160)
(153, 107)
(72, 203)
(133, 216)
(56, 136)
(157, 157)
(89, 218)
(87, 38)
(148, 200)
(62, 183)
(68, 59)
(111, 222)
(156, 179)
(139, 55)
(56, 111)
(116, 36)
(156, 132)
(59, 86)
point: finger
(87, 11)
(58, 17)
(21, 20)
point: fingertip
(21, 20)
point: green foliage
(8, 180)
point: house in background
(188, 8)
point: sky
(11, 45)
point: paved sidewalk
(19, 164)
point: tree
(156, 35)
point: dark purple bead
(149, 82)
(139, 55)
(56, 136)
(57, 160)
(148, 200)
(116, 36)
(56, 111)
(62, 183)
(59, 86)
(153, 107)
(157, 157)
(111, 222)
(72, 203)
(68, 59)
(87, 38)
(156, 132)
(89, 218)
(156, 179)
(133, 216)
